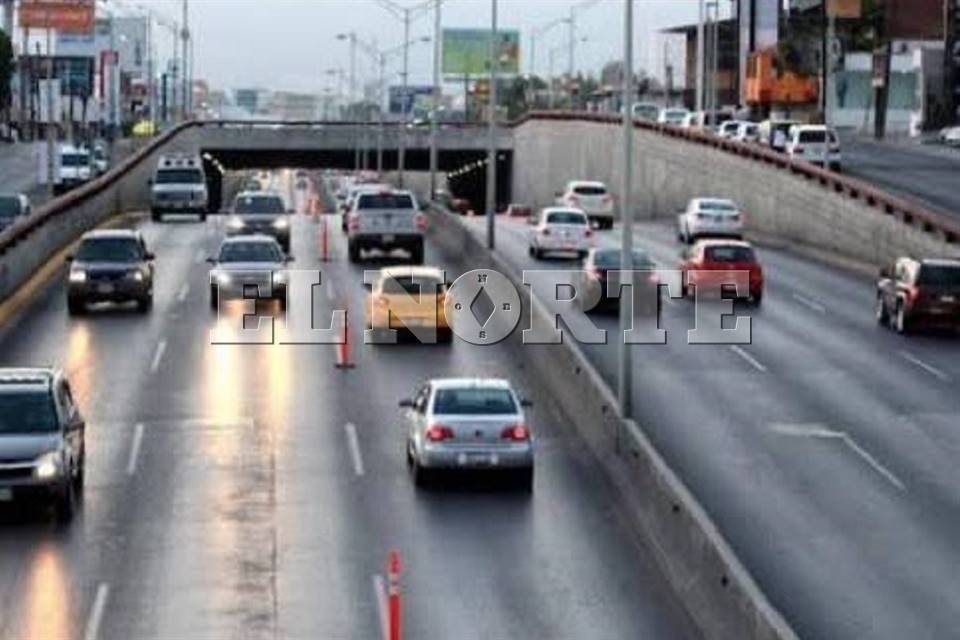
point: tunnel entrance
(465, 169)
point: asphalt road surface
(239, 491)
(826, 450)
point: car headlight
(136, 276)
(47, 466)
(281, 223)
(78, 276)
(280, 277)
(236, 223)
(222, 278)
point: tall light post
(572, 39)
(351, 92)
(185, 71)
(492, 130)
(535, 34)
(625, 381)
(437, 91)
(700, 60)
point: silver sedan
(468, 424)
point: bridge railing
(907, 211)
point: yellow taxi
(395, 301)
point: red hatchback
(714, 262)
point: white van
(816, 144)
(75, 167)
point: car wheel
(416, 254)
(66, 504)
(445, 335)
(353, 253)
(145, 304)
(76, 307)
(757, 299)
(902, 324)
(421, 476)
(214, 298)
(883, 317)
(524, 480)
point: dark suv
(41, 440)
(917, 293)
(110, 266)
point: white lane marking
(354, 444)
(96, 613)
(158, 356)
(184, 290)
(380, 594)
(810, 304)
(823, 432)
(135, 449)
(740, 351)
(940, 375)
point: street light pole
(700, 61)
(625, 381)
(405, 102)
(492, 126)
(434, 125)
(185, 72)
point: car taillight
(516, 433)
(588, 233)
(439, 433)
(545, 231)
(913, 294)
(353, 222)
(421, 221)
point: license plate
(104, 288)
(948, 299)
(6, 494)
(388, 237)
(474, 459)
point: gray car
(110, 266)
(249, 262)
(41, 440)
(261, 212)
(468, 424)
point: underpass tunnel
(465, 169)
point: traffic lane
(559, 563)
(922, 175)
(866, 419)
(51, 572)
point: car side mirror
(526, 402)
(211, 261)
(406, 403)
(149, 256)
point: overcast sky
(288, 44)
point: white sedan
(950, 136)
(709, 218)
(560, 229)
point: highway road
(926, 173)
(825, 450)
(254, 491)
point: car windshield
(940, 275)
(729, 254)
(407, 284)
(74, 159)
(474, 401)
(814, 136)
(110, 250)
(27, 412)
(250, 252)
(9, 206)
(591, 190)
(717, 206)
(384, 201)
(676, 114)
(259, 204)
(566, 217)
(611, 260)
(180, 176)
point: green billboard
(466, 52)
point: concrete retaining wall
(669, 171)
(709, 579)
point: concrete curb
(717, 590)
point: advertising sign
(466, 52)
(66, 16)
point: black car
(916, 293)
(42, 440)
(110, 266)
(594, 276)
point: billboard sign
(65, 16)
(466, 52)
(417, 98)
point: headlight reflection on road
(48, 607)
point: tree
(6, 73)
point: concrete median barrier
(716, 588)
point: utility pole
(571, 45)
(881, 75)
(700, 60)
(492, 130)
(625, 379)
(184, 72)
(51, 117)
(951, 16)
(434, 125)
(406, 103)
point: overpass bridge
(801, 484)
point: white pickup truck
(385, 220)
